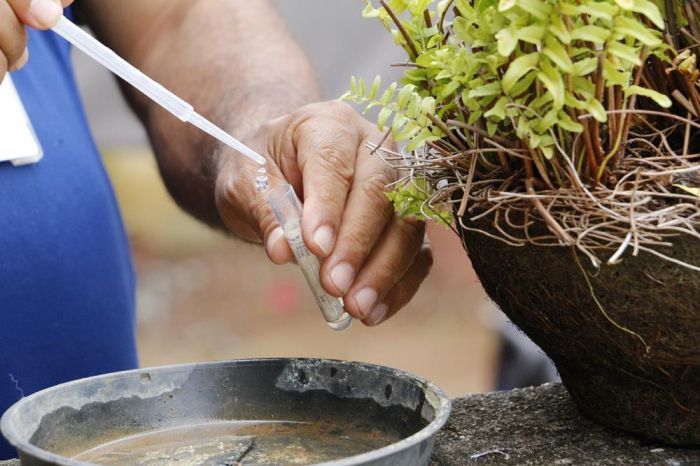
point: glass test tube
(287, 209)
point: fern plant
(549, 99)
(523, 68)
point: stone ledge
(540, 426)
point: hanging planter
(560, 139)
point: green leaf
(398, 123)
(547, 151)
(518, 68)
(448, 90)
(585, 66)
(573, 102)
(498, 111)
(584, 87)
(474, 116)
(374, 89)
(553, 82)
(633, 28)
(353, 85)
(659, 98)
(382, 118)
(507, 41)
(650, 10)
(444, 74)
(600, 10)
(569, 9)
(481, 5)
(590, 33)
(547, 121)
(625, 52)
(523, 127)
(536, 8)
(422, 138)
(524, 84)
(413, 111)
(362, 87)
(596, 109)
(491, 127)
(559, 28)
(625, 4)
(416, 76)
(493, 88)
(388, 94)
(369, 10)
(505, 5)
(542, 100)
(532, 34)
(408, 131)
(556, 52)
(411, 200)
(613, 76)
(693, 191)
(427, 60)
(428, 105)
(402, 100)
(567, 124)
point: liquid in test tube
(287, 209)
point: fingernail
(324, 237)
(274, 237)
(342, 276)
(365, 300)
(378, 314)
(45, 12)
(21, 61)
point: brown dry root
(639, 208)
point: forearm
(232, 59)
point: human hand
(14, 14)
(370, 257)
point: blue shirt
(66, 278)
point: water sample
(241, 442)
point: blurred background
(204, 297)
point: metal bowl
(258, 411)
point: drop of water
(262, 183)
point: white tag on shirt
(18, 141)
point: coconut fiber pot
(632, 363)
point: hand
(370, 257)
(39, 14)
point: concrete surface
(540, 426)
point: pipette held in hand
(287, 209)
(153, 90)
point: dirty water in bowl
(243, 442)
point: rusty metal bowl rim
(441, 404)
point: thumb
(39, 14)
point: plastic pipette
(163, 97)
